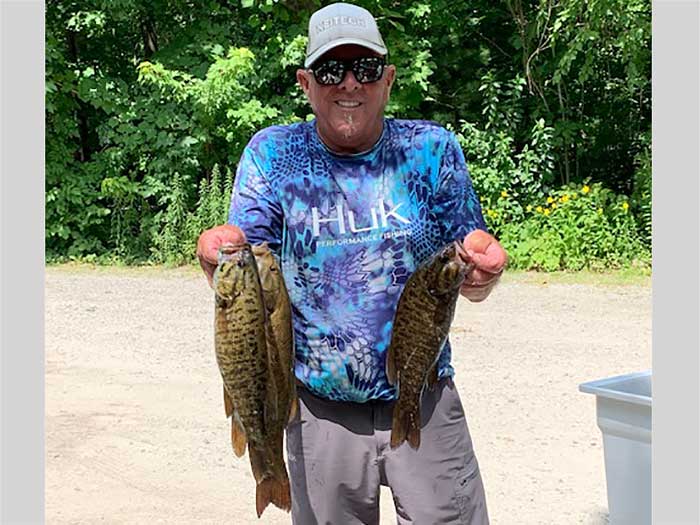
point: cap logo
(338, 21)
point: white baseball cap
(338, 24)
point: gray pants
(339, 455)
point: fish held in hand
(279, 336)
(281, 394)
(421, 324)
(242, 357)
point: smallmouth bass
(421, 324)
(241, 332)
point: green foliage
(144, 100)
(575, 228)
(498, 169)
(641, 194)
(505, 176)
(175, 241)
(170, 244)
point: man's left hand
(488, 258)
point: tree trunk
(150, 38)
(83, 153)
(562, 109)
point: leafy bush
(506, 179)
(641, 193)
(175, 241)
(575, 228)
(506, 175)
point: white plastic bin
(623, 407)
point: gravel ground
(136, 432)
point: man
(353, 202)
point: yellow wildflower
(504, 194)
(538, 209)
(625, 206)
(550, 200)
(546, 211)
(585, 189)
(564, 198)
(554, 205)
(528, 208)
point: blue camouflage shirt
(350, 230)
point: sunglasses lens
(368, 69)
(330, 72)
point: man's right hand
(208, 246)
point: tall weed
(176, 241)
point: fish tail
(405, 425)
(272, 480)
(275, 491)
(281, 493)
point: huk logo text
(344, 219)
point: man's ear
(303, 80)
(389, 77)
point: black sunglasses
(331, 72)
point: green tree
(144, 99)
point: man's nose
(350, 83)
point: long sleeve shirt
(350, 230)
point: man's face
(349, 116)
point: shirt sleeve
(254, 205)
(456, 206)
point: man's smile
(348, 104)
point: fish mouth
(460, 251)
(463, 258)
(229, 251)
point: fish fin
(390, 365)
(281, 495)
(238, 436)
(293, 407)
(280, 492)
(228, 403)
(405, 427)
(268, 489)
(263, 495)
(272, 490)
(414, 437)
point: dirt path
(135, 429)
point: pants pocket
(469, 494)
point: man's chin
(348, 123)
(346, 132)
